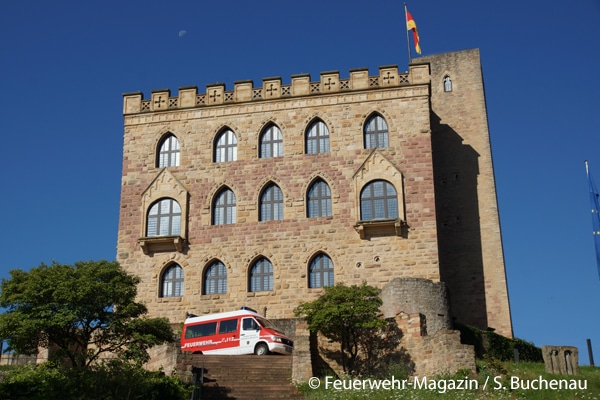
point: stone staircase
(246, 377)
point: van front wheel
(261, 349)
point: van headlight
(276, 339)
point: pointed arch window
(447, 84)
(224, 208)
(378, 200)
(320, 272)
(226, 146)
(271, 142)
(172, 282)
(215, 279)
(164, 218)
(271, 204)
(317, 138)
(376, 133)
(261, 276)
(319, 200)
(169, 152)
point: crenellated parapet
(272, 89)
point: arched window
(226, 146)
(447, 84)
(376, 132)
(271, 142)
(318, 200)
(172, 282)
(215, 279)
(224, 208)
(271, 204)
(378, 200)
(168, 153)
(164, 218)
(261, 276)
(320, 272)
(317, 138)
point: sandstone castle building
(261, 195)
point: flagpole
(594, 196)
(406, 29)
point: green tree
(349, 315)
(85, 310)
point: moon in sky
(182, 33)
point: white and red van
(235, 332)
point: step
(247, 377)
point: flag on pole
(595, 205)
(411, 25)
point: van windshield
(266, 323)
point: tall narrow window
(320, 272)
(378, 200)
(319, 200)
(168, 154)
(215, 279)
(376, 133)
(317, 138)
(271, 204)
(172, 282)
(226, 146)
(164, 218)
(447, 84)
(261, 276)
(224, 208)
(271, 142)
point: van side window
(228, 326)
(194, 331)
(250, 324)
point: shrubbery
(490, 344)
(115, 380)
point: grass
(504, 381)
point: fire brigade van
(235, 332)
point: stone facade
(438, 160)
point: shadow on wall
(456, 170)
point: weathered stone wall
(562, 360)
(289, 244)
(438, 158)
(414, 295)
(470, 245)
(437, 353)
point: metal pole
(590, 352)
(406, 29)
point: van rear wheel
(261, 349)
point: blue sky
(64, 66)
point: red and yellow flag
(412, 25)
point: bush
(490, 344)
(114, 380)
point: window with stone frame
(215, 279)
(164, 218)
(226, 146)
(172, 282)
(318, 200)
(447, 84)
(261, 276)
(224, 208)
(271, 142)
(376, 132)
(320, 271)
(378, 200)
(317, 138)
(271, 204)
(169, 152)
